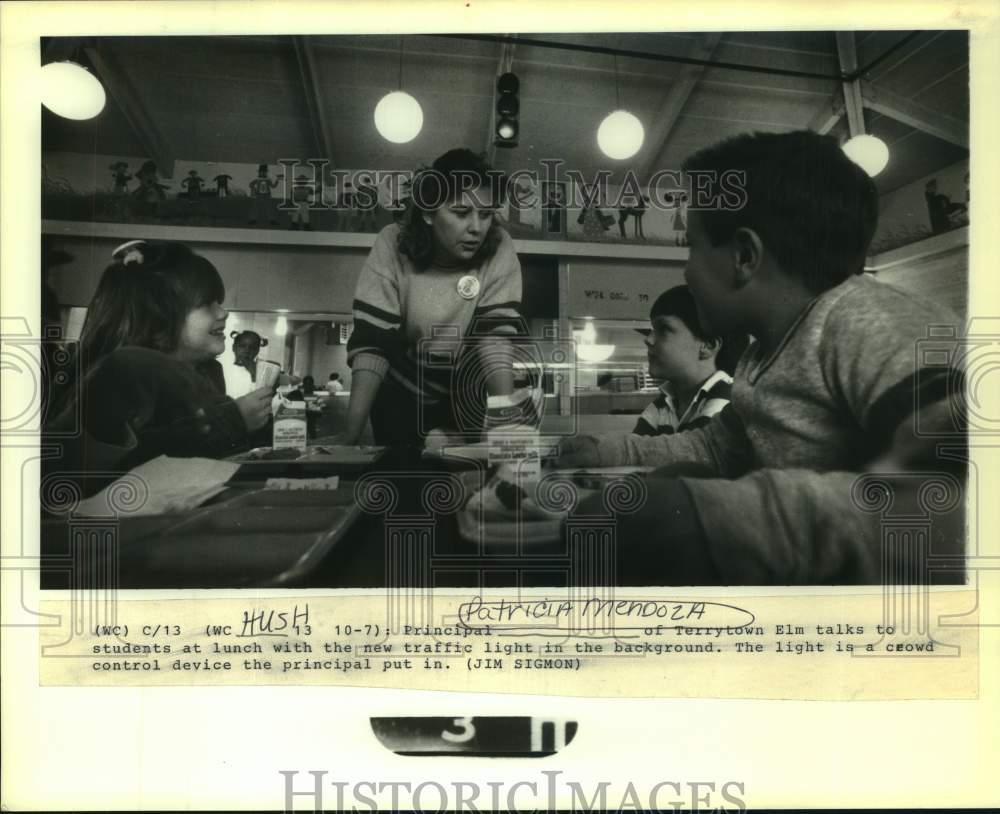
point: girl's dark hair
(679, 302)
(256, 337)
(433, 187)
(145, 296)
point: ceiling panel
(107, 134)
(750, 107)
(941, 53)
(242, 99)
(949, 94)
(915, 156)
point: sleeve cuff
(378, 365)
(609, 451)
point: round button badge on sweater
(468, 287)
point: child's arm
(139, 403)
(721, 447)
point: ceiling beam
(848, 55)
(659, 135)
(826, 118)
(119, 86)
(619, 52)
(322, 133)
(898, 107)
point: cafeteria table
(403, 532)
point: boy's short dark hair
(679, 302)
(814, 208)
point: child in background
(241, 371)
(334, 385)
(832, 375)
(150, 383)
(696, 369)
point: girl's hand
(255, 408)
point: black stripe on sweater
(378, 313)
(514, 305)
(483, 326)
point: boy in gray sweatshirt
(778, 229)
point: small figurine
(366, 206)
(121, 177)
(942, 212)
(595, 222)
(303, 195)
(680, 220)
(193, 184)
(260, 191)
(150, 190)
(553, 209)
(222, 185)
(636, 212)
(345, 207)
(400, 196)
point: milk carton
(512, 435)
(290, 425)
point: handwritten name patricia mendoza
(591, 613)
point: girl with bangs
(149, 383)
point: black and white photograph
(283, 275)
(485, 406)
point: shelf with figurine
(261, 197)
(142, 196)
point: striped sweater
(660, 416)
(412, 325)
(804, 421)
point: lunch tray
(466, 455)
(260, 537)
(316, 461)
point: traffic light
(507, 109)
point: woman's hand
(364, 387)
(255, 408)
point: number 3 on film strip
(496, 736)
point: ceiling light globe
(620, 135)
(868, 152)
(398, 117)
(71, 91)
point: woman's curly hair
(432, 187)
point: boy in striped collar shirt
(771, 490)
(695, 367)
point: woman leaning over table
(447, 275)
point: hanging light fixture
(587, 349)
(281, 323)
(621, 134)
(398, 116)
(868, 152)
(71, 91)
